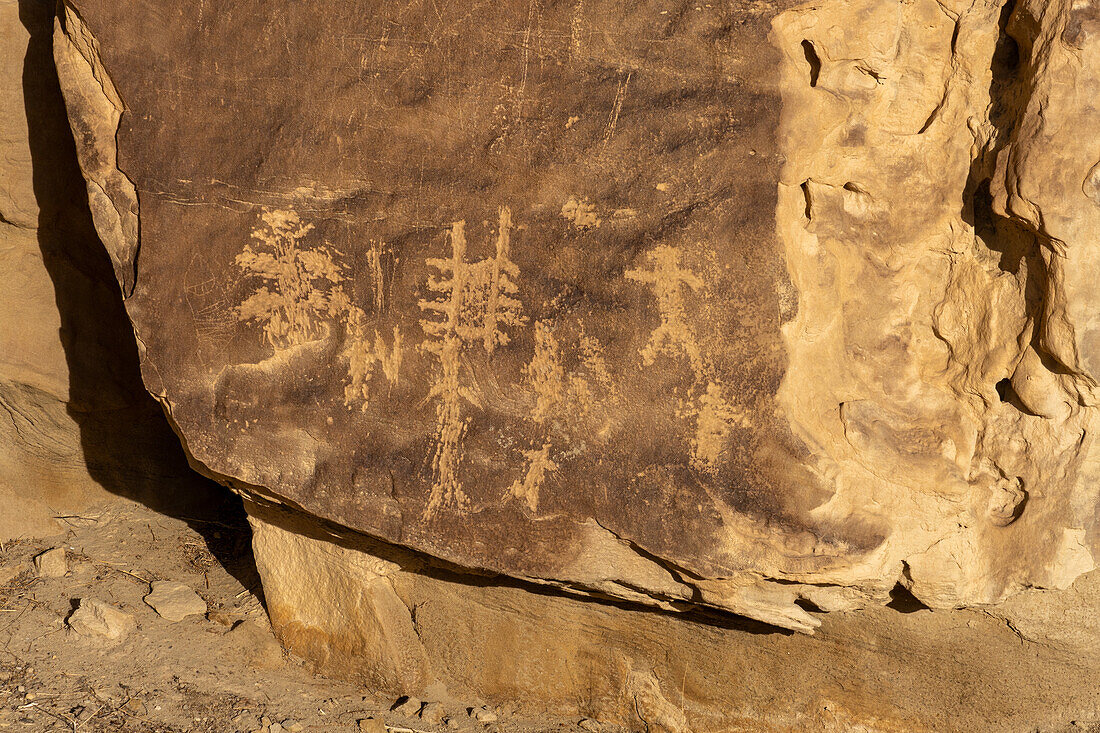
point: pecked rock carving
(767, 309)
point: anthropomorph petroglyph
(472, 304)
(539, 464)
(563, 399)
(299, 291)
(674, 337)
(667, 280)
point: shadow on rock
(128, 444)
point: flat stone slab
(175, 601)
(94, 618)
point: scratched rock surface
(750, 306)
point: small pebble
(590, 725)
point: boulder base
(382, 615)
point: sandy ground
(222, 671)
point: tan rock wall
(379, 614)
(943, 410)
(42, 469)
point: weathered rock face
(752, 307)
(957, 397)
(74, 416)
(392, 619)
(529, 323)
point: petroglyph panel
(513, 283)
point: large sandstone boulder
(754, 308)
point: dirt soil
(220, 672)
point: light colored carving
(595, 364)
(473, 302)
(580, 213)
(374, 272)
(501, 307)
(539, 464)
(362, 355)
(300, 288)
(667, 280)
(674, 337)
(563, 398)
(713, 419)
(545, 373)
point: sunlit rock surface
(754, 308)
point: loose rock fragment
(175, 601)
(484, 715)
(51, 563)
(372, 725)
(96, 618)
(407, 706)
(433, 713)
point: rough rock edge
(966, 507)
(95, 109)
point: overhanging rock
(752, 307)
